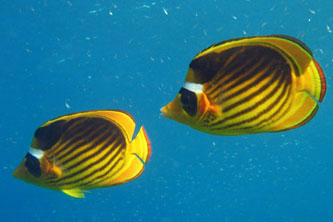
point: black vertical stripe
(253, 95)
(84, 140)
(250, 69)
(281, 82)
(91, 165)
(285, 93)
(71, 136)
(276, 77)
(108, 137)
(264, 76)
(120, 144)
(105, 176)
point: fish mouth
(172, 110)
(164, 111)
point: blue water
(59, 57)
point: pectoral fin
(51, 167)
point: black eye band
(33, 165)
(189, 101)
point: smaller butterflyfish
(85, 150)
(250, 85)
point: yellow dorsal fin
(122, 118)
(76, 192)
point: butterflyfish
(250, 85)
(85, 150)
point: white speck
(244, 32)
(321, 51)
(95, 11)
(263, 24)
(309, 20)
(234, 17)
(89, 77)
(312, 11)
(61, 61)
(328, 29)
(87, 38)
(67, 105)
(110, 13)
(214, 144)
(143, 6)
(165, 11)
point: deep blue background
(59, 57)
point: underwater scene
(166, 110)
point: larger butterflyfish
(250, 85)
(85, 150)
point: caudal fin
(138, 155)
(311, 91)
(315, 81)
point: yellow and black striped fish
(85, 150)
(250, 85)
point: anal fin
(76, 192)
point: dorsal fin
(120, 117)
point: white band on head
(36, 153)
(193, 87)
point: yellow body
(250, 85)
(85, 150)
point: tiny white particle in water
(234, 17)
(67, 105)
(165, 11)
(110, 13)
(328, 29)
(312, 11)
(61, 61)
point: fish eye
(189, 101)
(33, 165)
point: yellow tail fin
(138, 154)
(314, 81)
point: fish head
(31, 169)
(189, 106)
